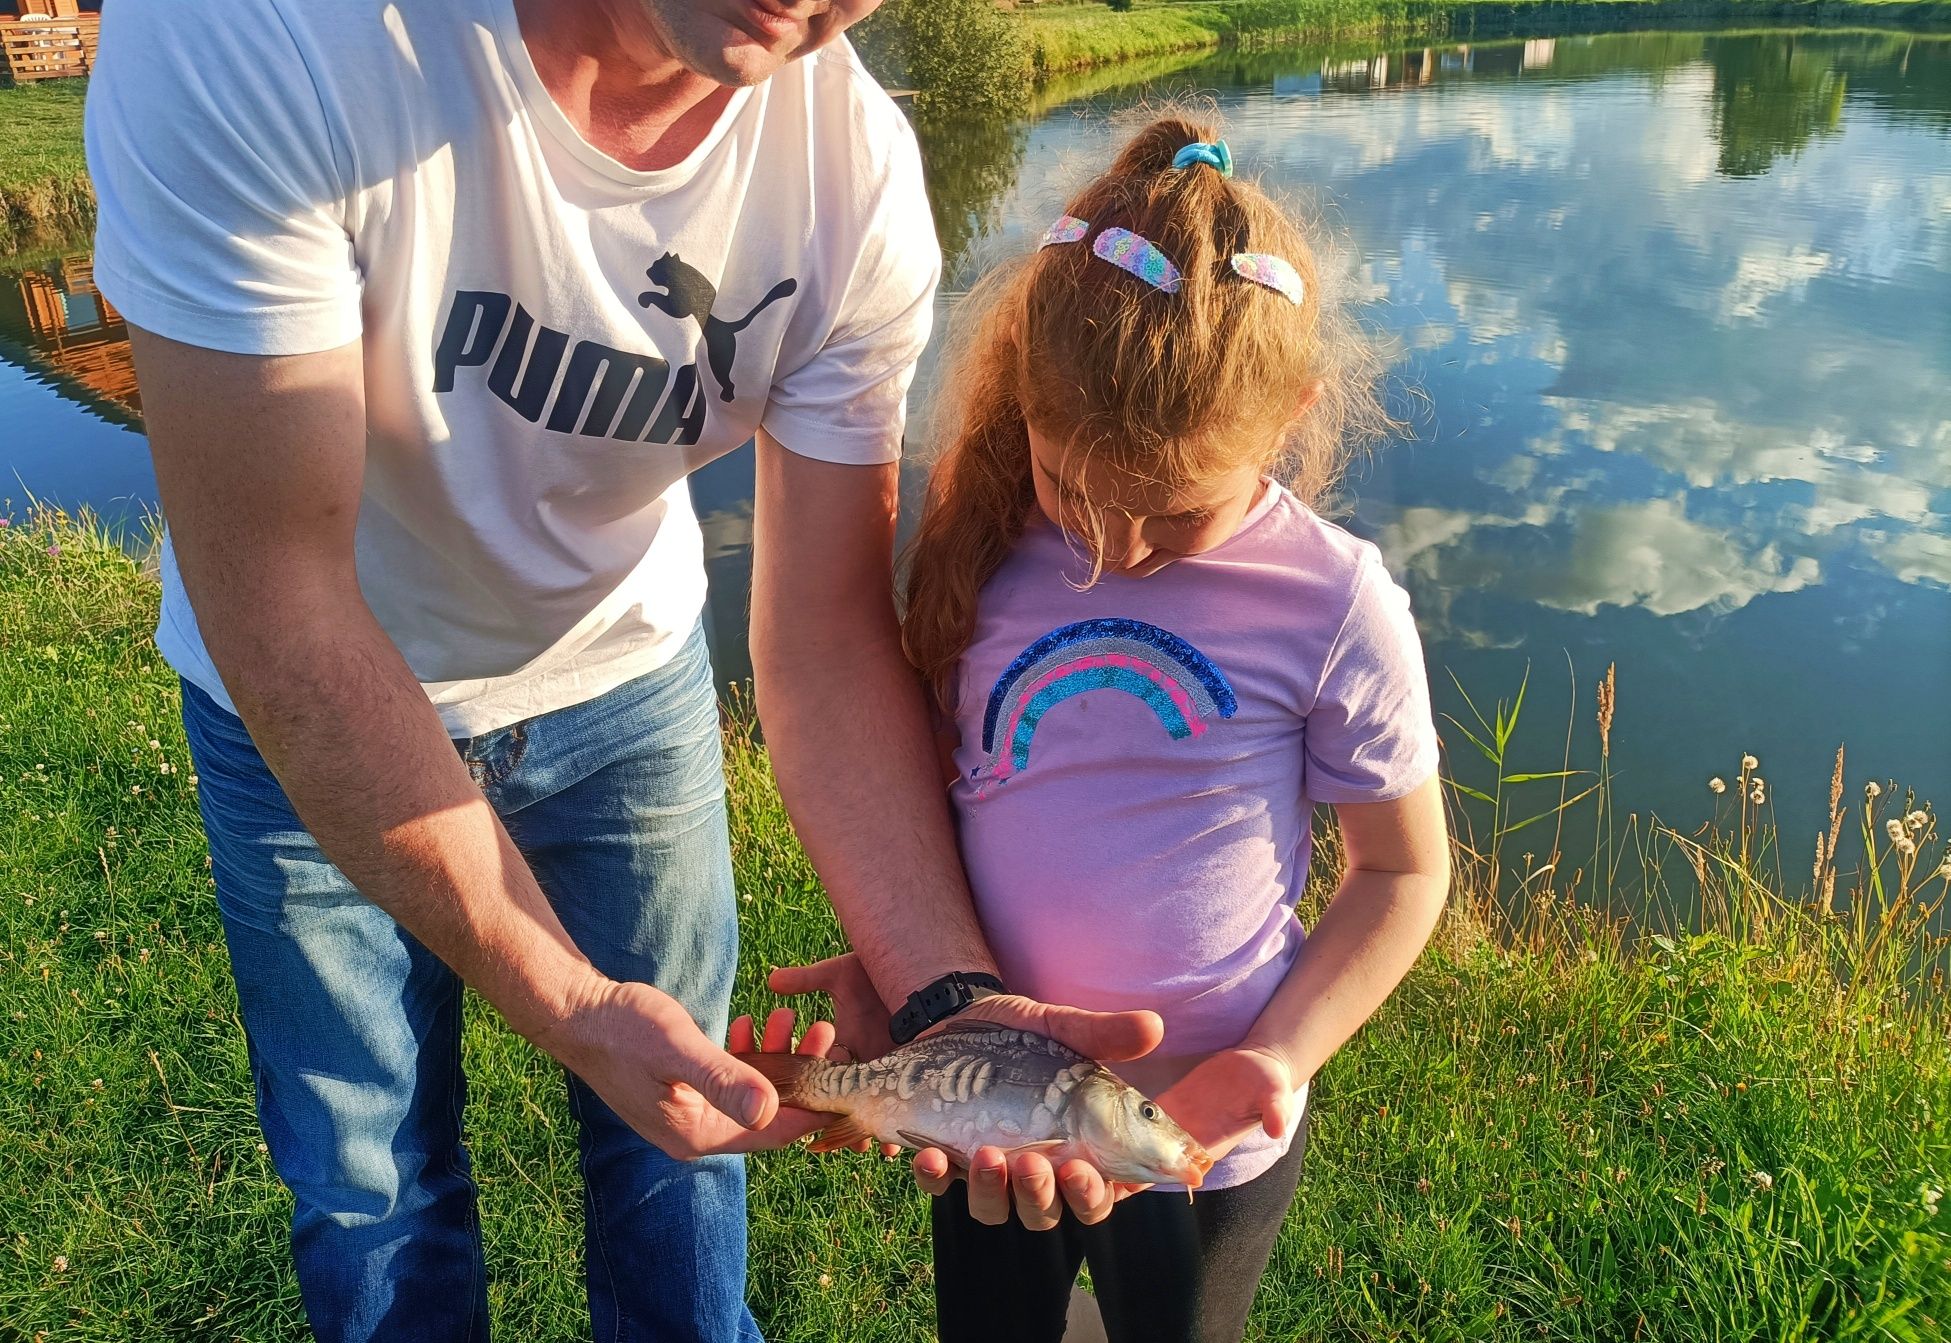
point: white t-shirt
(551, 340)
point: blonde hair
(1172, 388)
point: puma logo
(687, 293)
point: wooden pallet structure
(51, 39)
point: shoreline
(44, 187)
(1073, 39)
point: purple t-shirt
(1138, 761)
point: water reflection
(1676, 307)
(54, 321)
(1769, 100)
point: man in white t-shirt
(436, 303)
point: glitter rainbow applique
(1176, 681)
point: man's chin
(736, 67)
(735, 58)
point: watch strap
(938, 1001)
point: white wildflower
(1749, 762)
(1917, 820)
(1894, 828)
(1716, 785)
(1761, 1179)
(1872, 789)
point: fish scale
(973, 1085)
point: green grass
(1075, 37)
(43, 175)
(1552, 1131)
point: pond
(1672, 323)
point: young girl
(1157, 659)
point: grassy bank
(44, 186)
(1549, 1133)
(1075, 37)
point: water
(1673, 315)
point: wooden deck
(48, 48)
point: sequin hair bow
(1141, 257)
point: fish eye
(1148, 1110)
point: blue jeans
(354, 1027)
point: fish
(974, 1084)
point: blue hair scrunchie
(1215, 155)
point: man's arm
(854, 752)
(259, 462)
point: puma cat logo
(687, 293)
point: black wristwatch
(938, 1002)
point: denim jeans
(354, 1027)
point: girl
(1157, 658)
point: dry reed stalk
(1607, 701)
(1826, 854)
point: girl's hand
(1230, 1095)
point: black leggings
(1164, 1270)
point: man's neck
(619, 86)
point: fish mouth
(1197, 1164)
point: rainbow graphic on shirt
(1176, 681)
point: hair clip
(1137, 256)
(1068, 228)
(1215, 155)
(1273, 272)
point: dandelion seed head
(1894, 828)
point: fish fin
(1046, 1145)
(784, 1071)
(920, 1140)
(966, 1026)
(844, 1131)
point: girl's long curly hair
(1170, 388)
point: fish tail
(789, 1074)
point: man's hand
(860, 1018)
(1233, 1094)
(641, 1052)
(1037, 1190)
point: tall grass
(1565, 1125)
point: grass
(1076, 37)
(1556, 1129)
(44, 184)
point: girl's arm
(1397, 879)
